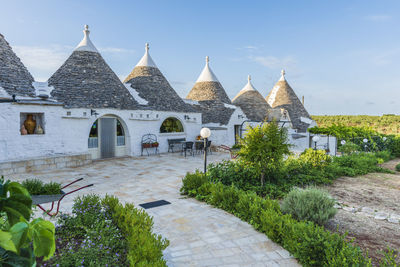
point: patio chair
(199, 147)
(209, 147)
(188, 146)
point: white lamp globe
(343, 142)
(365, 140)
(384, 138)
(315, 138)
(205, 132)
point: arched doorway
(107, 138)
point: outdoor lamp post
(205, 133)
(315, 140)
(365, 140)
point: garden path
(199, 234)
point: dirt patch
(378, 192)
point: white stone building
(84, 112)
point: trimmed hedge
(311, 244)
(144, 247)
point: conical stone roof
(207, 87)
(283, 96)
(252, 103)
(86, 81)
(152, 86)
(15, 78)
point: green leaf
(17, 188)
(42, 233)
(6, 241)
(19, 233)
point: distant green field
(386, 124)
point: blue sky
(343, 56)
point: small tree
(264, 147)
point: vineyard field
(386, 124)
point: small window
(171, 125)
(120, 134)
(93, 141)
(32, 123)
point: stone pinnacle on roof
(252, 103)
(283, 96)
(207, 87)
(85, 80)
(146, 60)
(86, 44)
(15, 78)
(282, 78)
(207, 75)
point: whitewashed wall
(68, 134)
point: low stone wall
(44, 163)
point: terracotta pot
(30, 124)
(39, 130)
(146, 145)
(154, 145)
(23, 130)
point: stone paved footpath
(199, 234)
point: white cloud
(378, 18)
(273, 62)
(115, 50)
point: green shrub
(349, 148)
(51, 188)
(311, 244)
(394, 146)
(22, 240)
(144, 248)
(264, 148)
(228, 172)
(103, 232)
(37, 187)
(310, 205)
(34, 186)
(192, 181)
(315, 158)
(398, 167)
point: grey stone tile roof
(14, 76)
(152, 86)
(283, 96)
(208, 90)
(252, 103)
(86, 81)
(214, 111)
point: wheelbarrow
(42, 199)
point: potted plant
(155, 144)
(146, 145)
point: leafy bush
(349, 148)
(37, 187)
(103, 232)
(264, 148)
(136, 225)
(309, 204)
(192, 181)
(22, 241)
(394, 146)
(315, 158)
(398, 167)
